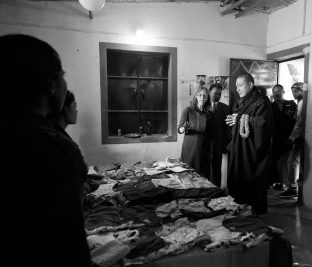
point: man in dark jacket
(220, 132)
(42, 173)
(284, 112)
(250, 147)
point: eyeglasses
(203, 95)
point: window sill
(154, 138)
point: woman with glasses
(195, 124)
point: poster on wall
(263, 71)
(224, 82)
(190, 86)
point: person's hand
(187, 126)
(231, 119)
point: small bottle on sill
(149, 128)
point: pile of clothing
(162, 208)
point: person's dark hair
(261, 89)
(278, 86)
(27, 64)
(248, 77)
(215, 85)
(298, 85)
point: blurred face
(215, 94)
(58, 92)
(201, 97)
(242, 87)
(71, 113)
(278, 93)
(296, 93)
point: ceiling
(234, 7)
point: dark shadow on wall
(88, 140)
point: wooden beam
(254, 5)
(229, 9)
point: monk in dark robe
(250, 147)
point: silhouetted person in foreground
(42, 174)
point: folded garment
(179, 169)
(103, 216)
(104, 189)
(172, 182)
(168, 210)
(227, 203)
(140, 214)
(142, 165)
(194, 205)
(109, 253)
(106, 229)
(249, 224)
(102, 169)
(257, 240)
(176, 181)
(148, 242)
(144, 192)
(214, 228)
(154, 171)
(213, 192)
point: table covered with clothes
(174, 217)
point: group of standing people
(287, 140)
(249, 134)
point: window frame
(172, 93)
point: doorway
(294, 67)
(290, 72)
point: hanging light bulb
(92, 5)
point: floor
(296, 221)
